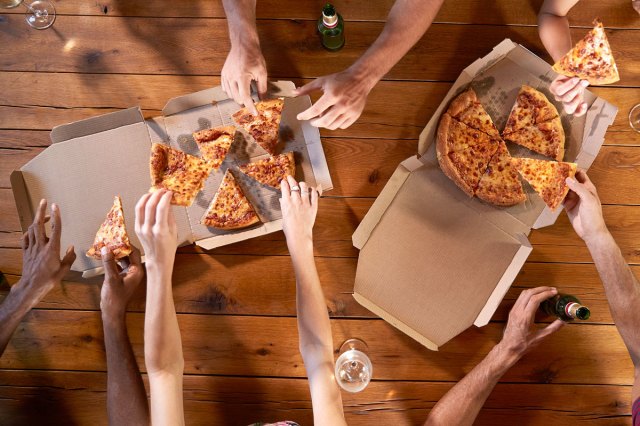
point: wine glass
(634, 118)
(41, 12)
(353, 366)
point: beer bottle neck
(576, 310)
(330, 21)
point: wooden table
(236, 304)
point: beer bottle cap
(583, 313)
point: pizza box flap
(97, 124)
(428, 263)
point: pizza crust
(230, 209)
(271, 171)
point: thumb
(309, 87)
(577, 187)
(548, 330)
(109, 263)
(66, 262)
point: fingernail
(103, 251)
(570, 180)
(584, 83)
(555, 290)
(54, 207)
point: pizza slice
(531, 107)
(264, 127)
(547, 178)
(230, 208)
(112, 234)
(272, 170)
(546, 138)
(591, 59)
(455, 136)
(176, 171)
(467, 108)
(214, 143)
(500, 185)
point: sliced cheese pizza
(272, 170)
(230, 208)
(591, 59)
(264, 127)
(112, 234)
(176, 171)
(467, 108)
(500, 185)
(214, 143)
(531, 107)
(547, 178)
(545, 138)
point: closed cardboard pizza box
(433, 261)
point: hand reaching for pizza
(570, 91)
(243, 65)
(520, 335)
(299, 205)
(42, 268)
(119, 285)
(344, 98)
(157, 230)
(583, 208)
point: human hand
(156, 228)
(519, 335)
(41, 265)
(119, 285)
(344, 98)
(570, 91)
(299, 209)
(243, 65)
(583, 208)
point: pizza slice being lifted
(264, 127)
(547, 178)
(214, 143)
(176, 171)
(230, 208)
(591, 59)
(272, 170)
(112, 234)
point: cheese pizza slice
(591, 59)
(272, 170)
(176, 171)
(500, 185)
(455, 136)
(264, 127)
(531, 107)
(547, 178)
(230, 208)
(214, 143)
(112, 234)
(467, 108)
(545, 138)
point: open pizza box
(92, 160)
(434, 261)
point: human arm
(299, 210)
(345, 92)
(126, 396)
(621, 287)
(553, 28)
(244, 62)
(42, 269)
(157, 231)
(461, 405)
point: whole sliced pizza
(179, 172)
(590, 59)
(230, 208)
(264, 127)
(547, 178)
(214, 143)
(112, 234)
(270, 171)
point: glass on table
(634, 118)
(41, 13)
(353, 366)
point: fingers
(140, 210)
(38, 222)
(164, 209)
(316, 109)
(538, 295)
(581, 110)
(565, 86)
(286, 190)
(328, 119)
(304, 194)
(315, 195)
(294, 194)
(571, 201)
(577, 187)
(526, 296)
(109, 264)
(25, 240)
(67, 261)
(244, 94)
(261, 81)
(135, 259)
(56, 228)
(150, 208)
(31, 237)
(547, 331)
(582, 177)
(308, 88)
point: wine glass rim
(631, 111)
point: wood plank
(63, 398)
(186, 46)
(614, 13)
(394, 110)
(253, 346)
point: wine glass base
(42, 14)
(354, 343)
(634, 118)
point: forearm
(14, 308)
(126, 396)
(461, 405)
(241, 18)
(621, 288)
(553, 27)
(408, 20)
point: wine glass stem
(36, 13)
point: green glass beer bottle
(331, 28)
(565, 307)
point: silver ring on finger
(295, 188)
